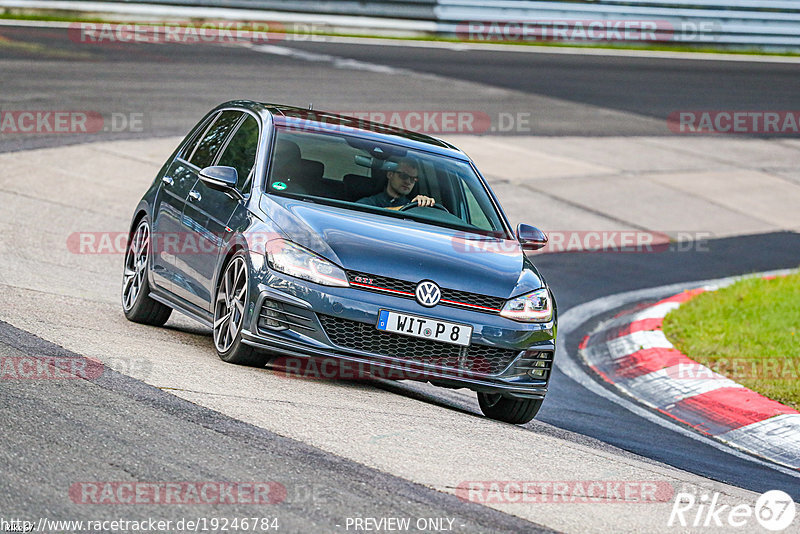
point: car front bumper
(301, 314)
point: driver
(399, 184)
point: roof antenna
(310, 106)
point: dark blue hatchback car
(305, 236)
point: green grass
(56, 16)
(749, 332)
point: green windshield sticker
(280, 186)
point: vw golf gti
(310, 235)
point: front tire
(514, 411)
(136, 302)
(230, 304)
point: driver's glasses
(407, 177)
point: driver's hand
(424, 201)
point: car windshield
(381, 178)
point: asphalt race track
(124, 426)
(564, 94)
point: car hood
(406, 249)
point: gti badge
(428, 293)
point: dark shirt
(383, 200)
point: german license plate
(424, 327)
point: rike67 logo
(774, 511)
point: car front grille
(405, 289)
(365, 337)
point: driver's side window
(213, 138)
(241, 153)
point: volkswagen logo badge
(428, 293)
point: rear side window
(213, 138)
(196, 133)
(241, 152)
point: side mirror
(220, 178)
(530, 237)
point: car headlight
(534, 307)
(294, 260)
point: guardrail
(764, 24)
(758, 23)
(405, 9)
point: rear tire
(514, 411)
(136, 302)
(230, 303)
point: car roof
(322, 121)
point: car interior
(308, 176)
(346, 169)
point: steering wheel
(412, 205)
